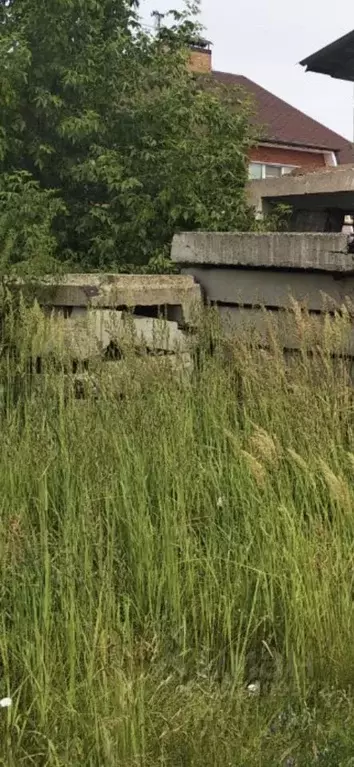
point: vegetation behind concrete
(108, 144)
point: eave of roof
(335, 59)
(298, 144)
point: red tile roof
(286, 125)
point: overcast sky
(264, 40)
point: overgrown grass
(163, 550)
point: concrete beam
(328, 180)
(262, 287)
(296, 250)
(284, 330)
(113, 291)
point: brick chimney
(200, 59)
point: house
(290, 139)
(322, 200)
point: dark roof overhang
(335, 60)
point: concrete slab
(323, 181)
(284, 330)
(274, 289)
(113, 291)
(86, 334)
(295, 250)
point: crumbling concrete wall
(244, 274)
(318, 200)
(93, 316)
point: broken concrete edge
(292, 251)
(115, 291)
(99, 287)
(92, 333)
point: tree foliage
(27, 240)
(104, 127)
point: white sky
(264, 40)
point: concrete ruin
(303, 281)
(171, 296)
(291, 287)
(319, 200)
(95, 316)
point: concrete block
(322, 181)
(261, 287)
(118, 291)
(154, 335)
(288, 331)
(296, 250)
(87, 333)
(80, 336)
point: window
(259, 170)
(273, 171)
(255, 170)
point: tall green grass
(165, 545)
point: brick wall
(284, 156)
(200, 60)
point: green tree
(108, 120)
(27, 241)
